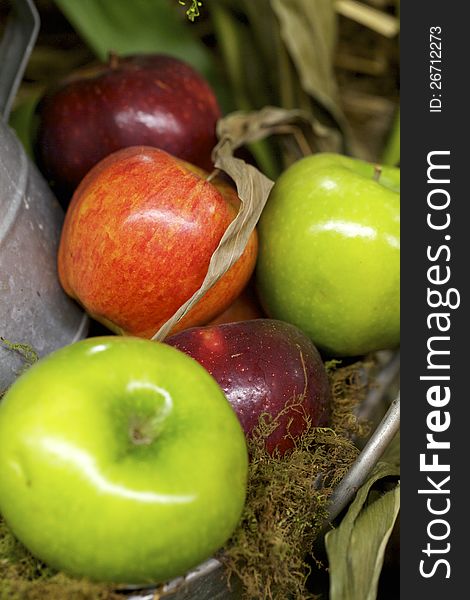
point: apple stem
(113, 60)
(212, 175)
(377, 172)
(144, 432)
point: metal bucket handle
(16, 45)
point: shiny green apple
(120, 460)
(329, 255)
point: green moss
(287, 498)
(56, 588)
(26, 351)
(23, 577)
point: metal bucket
(33, 308)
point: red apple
(138, 237)
(243, 308)
(261, 364)
(153, 100)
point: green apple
(120, 460)
(329, 255)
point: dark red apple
(153, 100)
(261, 364)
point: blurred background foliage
(337, 60)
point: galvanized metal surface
(33, 307)
(206, 582)
(367, 459)
(15, 48)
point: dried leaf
(234, 131)
(308, 133)
(253, 189)
(377, 20)
(356, 547)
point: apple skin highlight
(148, 99)
(329, 254)
(264, 366)
(120, 461)
(138, 237)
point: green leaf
(136, 27)
(391, 154)
(22, 119)
(229, 33)
(356, 547)
(246, 75)
(391, 456)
